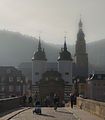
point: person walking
(72, 100)
(24, 100)
(56, 102)
(37, 107)
(46, 101)
(30, 101)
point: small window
(66, 73)
(56, 79)
(18, 79)
(46, 78)
(11, 88)
(99, 76)
(18, 88)
(10, 79)
(2, 79)
(37, 73)
(8, 71)
(2, 88)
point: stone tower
(65, 64)
(81, 57)
(39, 64)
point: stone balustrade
(10, 103)
(92, 106)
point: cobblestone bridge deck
(11, 109)
(47, 114)
(64, 113)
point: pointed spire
(65, 46)
(80, 24)
(39, 45)
(64, 54)
(80, 35)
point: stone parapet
(10, 103)
(92, 106)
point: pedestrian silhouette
(30, 101)
(24, 100)
(37, 107)
(56, 102)
(72, 99)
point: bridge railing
(10, 103)
(92, 106)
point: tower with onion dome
(65, 64)
(39, 64)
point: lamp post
(76, 86)
(21, 85)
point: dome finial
(80, 23)
(65, 46)
(39, 45)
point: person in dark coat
(30, 100)
(24, 100)
(37, 107)
(72, 99)
(46, 101)
(56, 102)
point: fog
(52, 18)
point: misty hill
(96, 52)
(16, 48)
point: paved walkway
(82, 115)
(10, 114)
(47, 114)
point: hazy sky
(52, 18)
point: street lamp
(21, 84)
(76, 86)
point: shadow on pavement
(65, 112)
(48, 115)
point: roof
(65, 54)
(40, 54)
(9, 69)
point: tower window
(10, 79)
(56, 79)
(2, 88)
(46, 78)
(37, 73)
(2, 79)
(66, 73)
(18, 88)
(99, 76)
(11, 88)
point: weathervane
(65, 35)
(40, 32)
